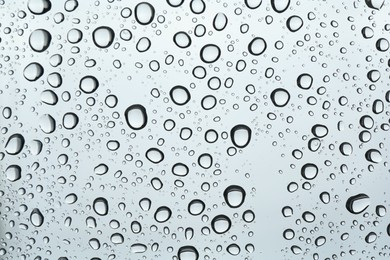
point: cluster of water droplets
(194, 129)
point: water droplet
(241, 135)
(36, 217)
(144, 13)
(89, 84)
(39, 7)
(33, 71)
(40, 40)
(210, 53)
(196, 207)
(163, 214)
(257, 46)
(13, 173)
(221, 224)
(136, 117)
(180, 95)
(280, 97)
(103, 36)
(100, 206)
(15, 144)
(188, 253)
(234, 196)
(358, 203)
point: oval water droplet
(70, 120)
(220, 21)
(305, 81)
(234, 196)
(241, 135)
(154, 155)
(15, 144)
(100, 206)
(182, 40)
(180, 95)
(33, 71)
(257, 46)
(280, 6)
(280, 97)
(136, 117)
(144, 13)
(162, 214)
(36, 217)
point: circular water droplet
(100, 206)
(346, 149)
(210, 53)
(205, 161)
(154, 155)
(33, 71)
(234, 196)
(221, 224)
(70, 120)
(197, 6)
(196, 207)
(180, 95)
(182, 40)
(88, 84)
(136, 117)
(40, 40)
(305, 81)
(294, 23)
(241, 135)
(309, 171)
(144, 13)
(358, 203)
(257, 46)
(280, 97)
(103, 36)
(163, 214)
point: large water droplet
(36, 217)
(241, 135)
(136, 117)
(234, 196)
(100, 206)
(103, 36)
(14, 144)
(358, 203)
(40, 40)
(144, 13)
